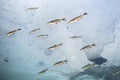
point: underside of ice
(24, 55)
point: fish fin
(18, 29)
(81, 49)
(46, 69)
(85, 13)
(60, 44)
(65, 60)
(94, 44)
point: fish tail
(81, 49)
(46, 35)
(48, 22)
(63, 19)
(36, 8)
(6, 34)
(18, 29)
(94, 44)
(60, 44)
(46, 69)
(30, 32)
(65, 60)
(38, 28)
(85, 13)
(94, 63)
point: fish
(43, 71)
(88, 66)
(32, 8)
(56, 21)
(12, 32)
(88, 46)
(77, 18)
(55, 46)
(116, 73)
(42, 35)
(73, 37)
(60, 63)
(34, 30)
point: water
(23, 56)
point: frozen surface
(24, 55)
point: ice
(27, 55)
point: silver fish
(34, 30)
(88, 46)
(116, 73)
(42, 35)
(88, 66)
(56, 21)
(54, 46)
(73, 37)
(77, 18)
(43, 71)
(32, 8)
(60, 63)
(12, 32)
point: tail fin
(18, 29)
(65, 60)
(94, 63)
(46, 69)
(60, 44)
(63, 19)
(81, 49)
(94, 44)
(37, 28)
(46, 34)
(85, 13)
